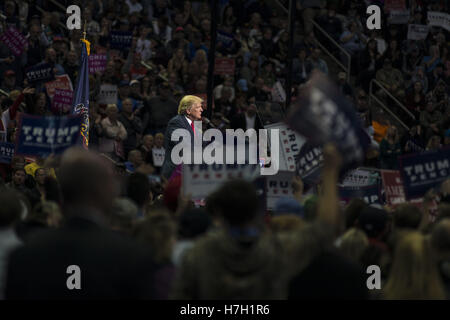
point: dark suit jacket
(112, 266)
(179, 121)
(239, 122)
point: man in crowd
(87, 256)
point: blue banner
(80, 103)
(422, 171)
(6, 152)
(42, 136)
(322, 115)
(41, 72)
(120, 40)
(370, 194)
(309, 162)
(226, 38)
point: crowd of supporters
(225, 249)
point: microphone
(208, 122)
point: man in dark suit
(84, 259)
(189, 110)
(247, 120)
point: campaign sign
(226, 38)
(62, 82)
(158, 155)
(393, 187)
(358, 178)
(278, 93)
(97, 63)
(120, 40)
(40, 72)
(200, 180)
(439, 19)
(399, 17)
(62, 101)
(14, 40)
(422, 171)
(107, 94)
(370, 194)
(394, 5)
(417, 31)
(290, 144)
(278, 186)
(224, 66)
(6, 152)
(322, 114)
(42, 136)
(309, 163)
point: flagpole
(84, 32)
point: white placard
(418, 31)
(278, 186)
(201, 180)
(290, 145)
(399, 17)
(439, 19)
(108, 94)
(158, 156)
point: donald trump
(189, 110)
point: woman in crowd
(414, 274)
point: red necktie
(192, 126)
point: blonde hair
(158, 231)
(109, 107)
(187, 102)
(353, 244)
(414, 273)
(286, 223)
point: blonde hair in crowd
(414, 273)
(187, 102)
(353, 243)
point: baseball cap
(134, 82)
(9, 73)
(288, 205)
(242, 84)
(178, 29)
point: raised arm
(328, 204)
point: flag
(80, 102)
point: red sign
(61, 82)
(394, 5)
(393, 187)
(224, 66)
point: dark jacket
(225, 266)
(177, 122)
(112, 266)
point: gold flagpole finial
(84, 32)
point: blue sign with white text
(422, 171)
(42, 136)
(41, 72)
(6, 152)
